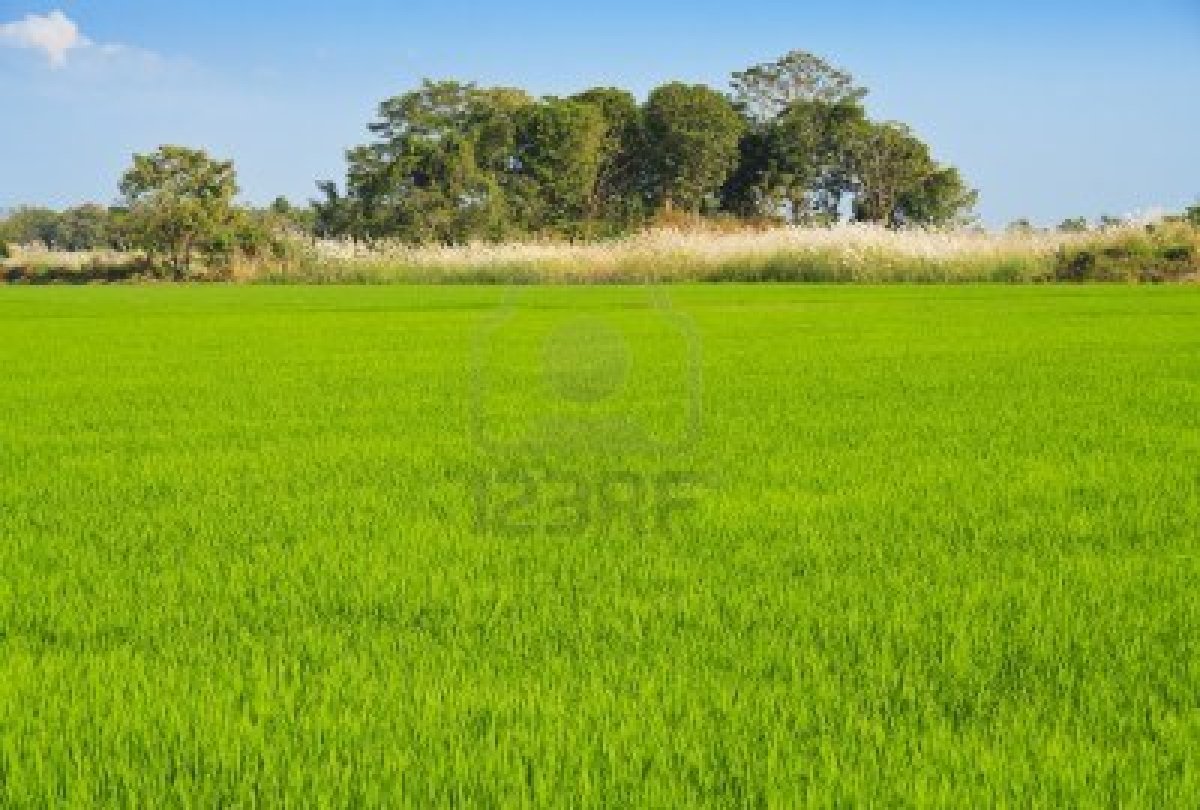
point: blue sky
(1050, 109)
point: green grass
(943, 550)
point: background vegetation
(454, 169)
(451, 163)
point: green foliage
(619, 198)
(899, 183)
(180, 203)
(889, 164)
(798, 164)
(31, 225)
(81, 228)
(940, 198)
(1192, 215)
(943, 554)
(1073, 225)
(692, 137)
(437, 169)
(450, 162)
(765, 91)
(561, 148)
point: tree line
(452, 162)
(177, 208)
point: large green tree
(899, 183)
(560, 149)
(436, 169)
(31, 225)
(620, 184)
(764, 91)
(180, 204)
(692, 135)
(798, 165)
(941, 198)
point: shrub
(1164, 251)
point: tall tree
(692, 136)
(899, 183)
(435, 171)
(29, 225)
(560, 148)
(85, 227)
(889, 163)
(812, 156)
(180, 200)
(940, 199)
(620, 185)
(764, 91)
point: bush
(1165, 251)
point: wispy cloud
(58, 39)
(54, 34)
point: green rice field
(696, 546)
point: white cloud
(53, 34)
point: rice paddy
(695, 546)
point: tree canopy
(452, 162)
(180, 202)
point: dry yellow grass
(708, 246)
(843, 253)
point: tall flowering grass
(704, 252)
(852, 252)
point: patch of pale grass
(851, 241)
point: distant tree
(692, 137)
(437, 170)
(620, 183)
(85, 227)
(1020, 226)
(561, 148)
(811, 164)
(1073, 225)
(180, 203)
(899, 183)
(30, 225)
(451, 162)
(939, 199)
(1193, 215)
(753, 189)
(1108, 222)
(889, 163)
(282, 215)
(333, 213)
(765, 91)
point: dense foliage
(453, 162)
(177, 210)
